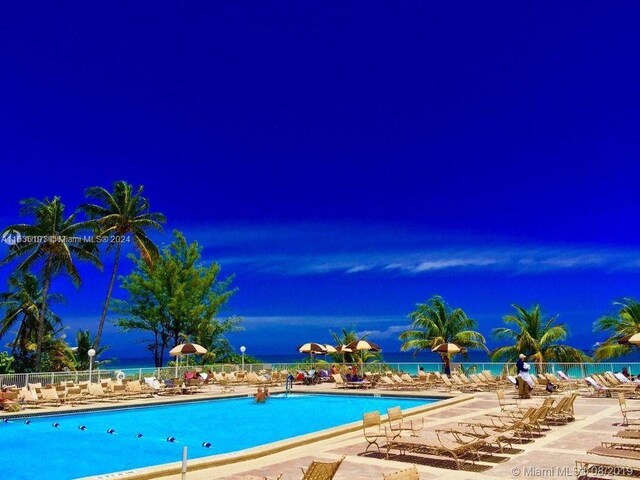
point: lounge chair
(459, 453)
(563, 412)
(599, 467)
(48, 396)
(563, 377)
(462, 386)
(624, 409)
(74, 396)
(96, 392)
(386, 383)
(613, 451)
(504, 403)
(341, 383)
(321, 470)
(408, 382)
(520, 424)
(398, 425)
(373, 430)
(406, 474)
(134, 389)
(630, 434)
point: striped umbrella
(447, 348)
(311, 348)
(363, 345)
(329, 348)
(186, 349)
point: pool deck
(552, 456)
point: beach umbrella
(360, 345)
(363, 346)
(186, 349)
(447, 348)
(634, 339)
(311, 348)
(329, 348)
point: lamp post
(91, 353)
(242, 350)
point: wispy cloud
(391, 331)
(312, 249)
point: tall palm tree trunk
(43, 312)
(105, 308)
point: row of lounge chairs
(470, 441)
(70, 393)
(618, 456)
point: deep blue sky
(346, 161)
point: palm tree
(84, 343)
(120, 215)
(625, 323)
(536, 337)
(52, 242)
(434, 323)
(21, 307)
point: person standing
(520, 363)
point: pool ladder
(288, 385)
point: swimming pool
(40, 450)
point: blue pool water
(39, 450)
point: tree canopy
(178, 299)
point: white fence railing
(576, 370)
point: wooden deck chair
(397, 422)
(406, 474)
(373, 430)
(321, 470)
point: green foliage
(434, 323)
(84, 343)
(625, 323)
(6, 363)
(179, 298)
(535, 337)
(54, 244)
(120, 215)
(21, 307)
